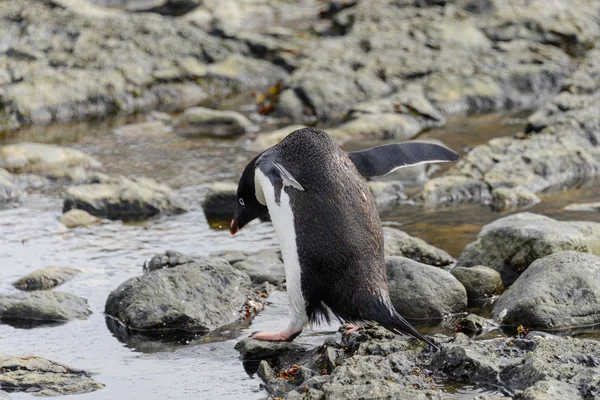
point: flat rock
(583, 207)
(420, 291)
(42, 377)
(122, 198)
(559, 291)
(220, 201)
(147, 129)
(399, 243)
(8, 190)
(202, 121)
(188, 296)
(248, 72)
(252, 349)
(43, 306)
(510, 244)
(45, 159)
(481, 282)
(46, 278)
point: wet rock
(191, 296)
(8, 190)
(504, 198)
(153, 128)
(45, 159)
(43, 306)
(122, 198)
(252, 349)
(549, 389)
(398, 243)
(42, 377)
(481, 282)
(472, 324)
(510, 244)
(387, 194)
(201, 121)
(265, 140)
(583, 207)
(75, 218)
(164, 7)
(421, 291)
(265, 265)
(559, 291)
(220, 201)
(46, 278)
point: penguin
(328, 226)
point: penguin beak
(233, 228)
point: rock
(559, 291)
(510, 198)
(510, 244)
(201, 121)
(220, 201)
(46, 278)
(45, 159)
(32, 374)
(75, 218)
(472, 324)
(398, 243)
(454, 189)
(265, 140)
(420, 291)
(8, 190)
(265, 265)
(387, 194)
(380, 126)
(549, 389)
(122, 198)
(43, 306)
(583, 207)
(153, 128)
(252, 349)
(248, 72)
(164, 7)
(481, 282)
(194, 296)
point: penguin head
(248, 207)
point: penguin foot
(283, 336)
(347, 329)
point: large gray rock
(122, 198)
(510, 244)
(421, 291)
(186, 295)
(481, 282)
(43, 306)
(559, 291)
(266, 265)
(42, 377)
(45, 159)
(398, 243)
(202, 121)
(46, 278)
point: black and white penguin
(328, 227)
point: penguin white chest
(282, 218)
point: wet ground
(31, 237)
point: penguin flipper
(382, 160)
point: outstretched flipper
(382, 160)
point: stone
(265, 140)
(46, 278)
(43, 306)
(559, 291)
(399, 243)
(510, 244)
(202, 121)
(248, 72)
(481, 282)
(266, 265)
(388, 194)
(583, 207)
(124, 198)
(252, 349)
(504, 198)
(153, 128)
(9, 191)
(420, 291)
(197, 296)
(43, 377)
(220, 201)
(45, 159)
(75, 218)
(380, 126)
(549, 389)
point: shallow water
(31, 237)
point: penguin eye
(241, 201)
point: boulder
(510, 244)
(42, 377)
(266, 265)
(187, 296)
(43, 306)
(46, 278)
(420, 291)
(220, 201)
(560, 291)
(75, 218)
(504, 198)
(202, 121)
(122, 198)
(481, 282)
(45, 159)
(398, 243)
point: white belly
(283, 222)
